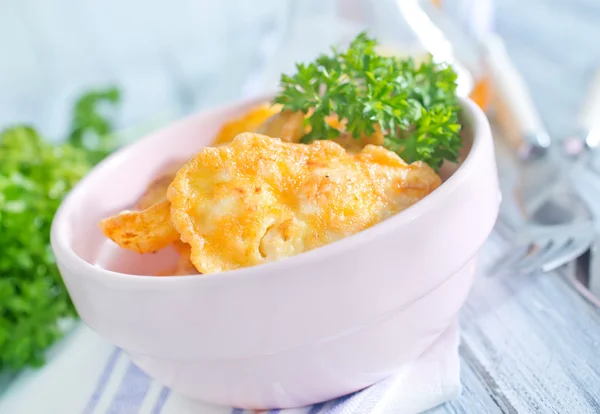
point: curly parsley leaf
(415, 106)
(35, 175)
(92, 123)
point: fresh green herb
(414, 105)
(34, 177)
(91, 126)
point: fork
(559, 225)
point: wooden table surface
(532, 344)
(529, 344)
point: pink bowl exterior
(289, 333)
(322, 370)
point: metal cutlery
(559, 226)
(586, 275)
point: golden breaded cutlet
(259, 199)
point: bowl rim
(65, 255)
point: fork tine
(550, 250)
(571, 252)
(556, 245)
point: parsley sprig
(414, 105)
(35, 175)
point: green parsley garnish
(414, 105)
(92, 124)
(35, 175)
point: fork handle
(522, 124)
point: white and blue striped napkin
(87, 375)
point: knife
(522, 129)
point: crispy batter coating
(259, 199)
(355, 145)
(155, 201)
(155, 193)
(286, 125)
(157, 190)
(144, 231)
(249, 122)
(289, 126)
(182, 248)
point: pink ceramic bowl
(290, 333)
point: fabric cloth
(87, 375)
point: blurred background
(172, 57)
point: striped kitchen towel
(87, 375)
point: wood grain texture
(529, 345)
(532, 344)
